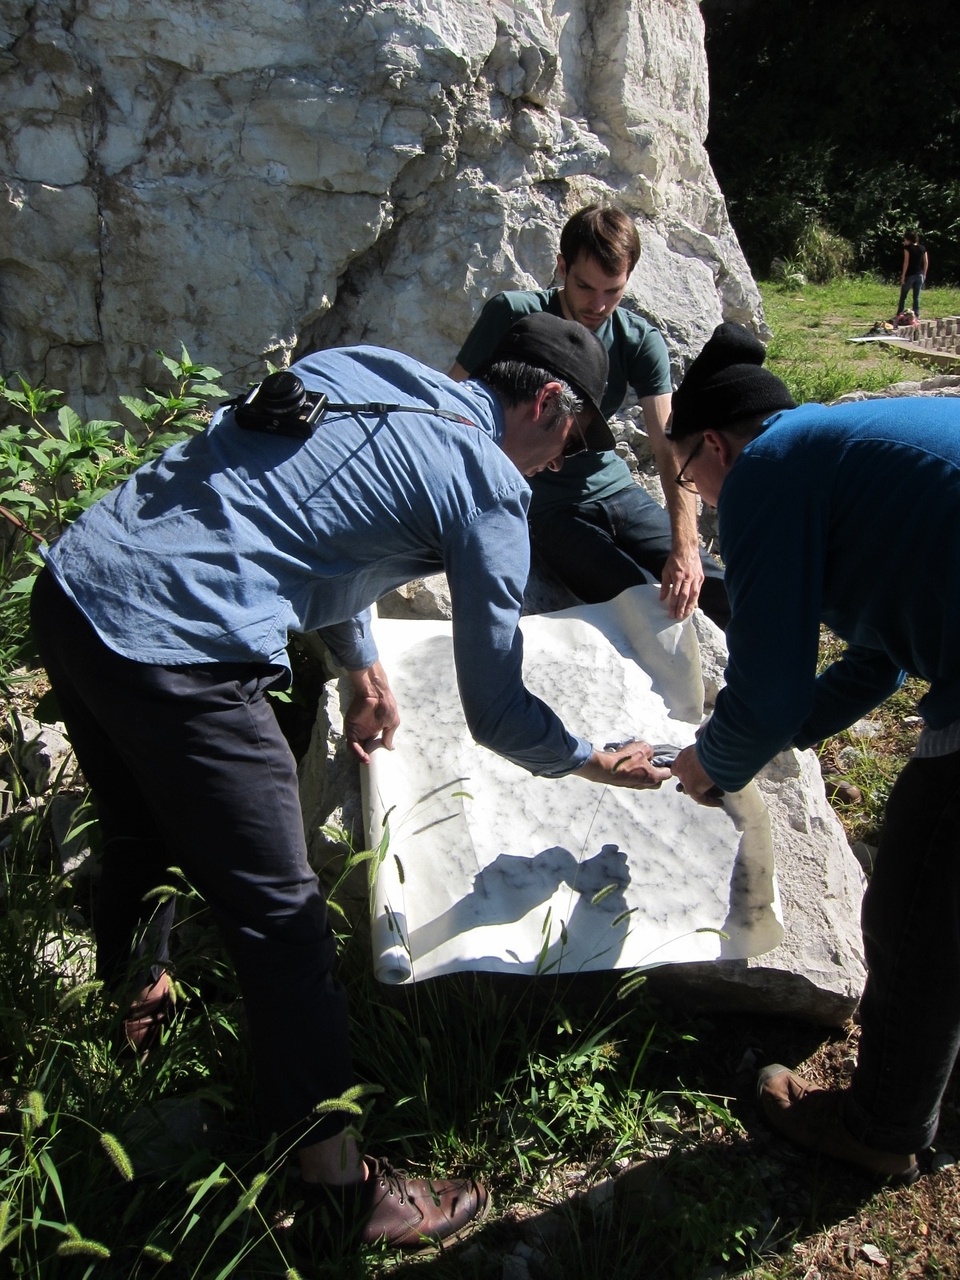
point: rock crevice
(249, 181)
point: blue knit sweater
(849, 516)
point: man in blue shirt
(849, 516)
(592, 525)
(162, 617)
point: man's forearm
(681, 506)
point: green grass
(812, 327)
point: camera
(281, 405)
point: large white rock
(815, 972)
(255, 180)
(489, 868)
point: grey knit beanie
(726, 383)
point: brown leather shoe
(407, 1212)
(147, 1016)
(813, 1118)
(389, 1208)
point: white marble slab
(486, 867)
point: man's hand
(373, 712)
(628, 766)
(681, 581)
(695, 780)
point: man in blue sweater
(162, 618)
(848, 516)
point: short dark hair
(912, 236)
(604, 232)
(517, 382)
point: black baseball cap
(569, 351)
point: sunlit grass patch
(812, 326)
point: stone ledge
(935, 341)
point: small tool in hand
(664, 754)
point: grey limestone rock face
(817, 972)
(256, 181)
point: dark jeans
(910, 1011)
(599, 549)
(914, 282)
(189, 769)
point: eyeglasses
(576, 441)
(683, 481)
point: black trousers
(910, 1010)
(601, 548)
(189, 769)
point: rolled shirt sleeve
(487, 561)
(351, 642)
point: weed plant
(53, 465)
(77, 1122)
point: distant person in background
(916, 262)
(591, 524)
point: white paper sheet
(486, 867)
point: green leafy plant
(53, 465)
(71, 1188)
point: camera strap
(381, 410)
(281, 405)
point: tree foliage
(837, 118)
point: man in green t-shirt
(591, 524)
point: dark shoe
(813, 1118)
(147, 1017)
(839, 789)
(389, 1208)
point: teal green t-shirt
(638, 359)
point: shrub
(821, 254)
(786, 274)
(53, 465)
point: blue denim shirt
(218, 549)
